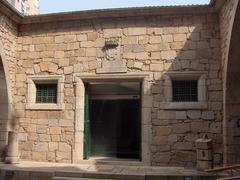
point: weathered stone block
(55, 138)
(216, 127)
(156, 67)
(142, 56)
(177, 45)
(70, 38)
(208, 115)
(82, 37)
(160, 140)
(194, 114)
(92, 36)
(167, 38)
(135, 31)
(129, 40)
(179, 37)
(155, 39)
(166, 115)
(168, 55)
(68, 70)
(138, 65)
(200, 127)
(87, 44)
(65, 123)
(112, 32)
(31, 128)
(181, 115)
(203, 144)
(188, 55)
(44, 138)
(172, 138)
(183, 146)
(138, 48)
(181, 128)
(64, 147)
(22, 136)
(163, 157)
(59, 54)
(78, 67)
(41, 147)
(59, 39)
(52, 68)
(162, 130)
(204, 165)
(39, 156)
(55, 130)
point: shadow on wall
(232, 104)
(4, 116)
(188, 44)
(190, 48)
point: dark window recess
(185, 91)
(46, 93)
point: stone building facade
(154, 47)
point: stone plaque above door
(112, 61)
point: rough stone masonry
(169, 42)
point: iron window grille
(46, 93)
(185, 90)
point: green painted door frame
(87, 134)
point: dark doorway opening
(115, 121)
(115, 128)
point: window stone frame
(31, 92)
(202, 91)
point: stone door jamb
(146, 127)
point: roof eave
(7, 9)
(118, 13)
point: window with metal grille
(46, 93)
(185, 90)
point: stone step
(69, 178)
(110, 176)
(145, 178)
(111, 162)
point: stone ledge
(45, 106)
(183, 105)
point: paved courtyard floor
(95, 170)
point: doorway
(114, 120)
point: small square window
(46, 93)
(185, 90)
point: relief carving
(112, 61)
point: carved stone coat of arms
(112, 62)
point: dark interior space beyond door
(115, 128)
(115, 120)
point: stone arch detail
(231, 122)
(5, 101)
(7, 77)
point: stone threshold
(112, 161)
(48, 171)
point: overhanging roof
(18, 18)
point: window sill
(46, 106)
(183, 105)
